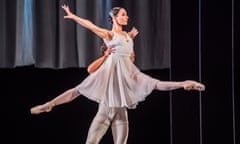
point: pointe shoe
(41, 108)
(192, 85)
(199, 87)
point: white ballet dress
(118, 82)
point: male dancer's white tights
(106, 116)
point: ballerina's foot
(192, 85)
(41, 108)
(199, 87)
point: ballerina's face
(122, 17)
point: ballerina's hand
(68, 12)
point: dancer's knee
(120, 132)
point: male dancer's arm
(133, 33)
(98, 62)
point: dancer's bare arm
(101, 32)
(97, 63)
(132, 57)
(133, 33)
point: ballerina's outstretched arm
(101, 32)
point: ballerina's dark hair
(114, 11)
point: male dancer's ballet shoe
(47, 107)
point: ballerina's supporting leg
(65, 97)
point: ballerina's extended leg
(65, 97)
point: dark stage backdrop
(34, 32)
(205, 46)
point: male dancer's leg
(99, 126)
(120, 126)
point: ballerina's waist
(122, 54)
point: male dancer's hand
(133, 33)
